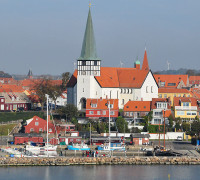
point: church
(91, 81)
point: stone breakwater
(64, 161)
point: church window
(151, 89)
(84, 63)
(83, 89)
(83, 80)
(146, 89)
(122, 101)
(124, 91)
(121, 91)
(127, 91)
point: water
(126, 172)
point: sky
(46, 35)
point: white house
(90, 80)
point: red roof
(177, 100)
(121, 77)
(195, 92)
(11, 88)
(101, 103)
(155, 100)
(145, 65)
(194, 79)
(170, 90)
(167, 113)
(171, 80)
(73, 80)
(138, 106)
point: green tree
(122, 125)
(195, 128)
(70, 111)
(186, 127)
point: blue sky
(47, 35)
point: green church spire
(89, 46)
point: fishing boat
(78, 147)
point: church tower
(88, 63)
(88, 66)
(145, 65)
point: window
(174, 95)
(104, 112)
(122, 101)
(171, 84)
(165, 95)
(136, 107)
(146, 89)
(36, 123)
(40, 130)
(186, 104)
(31, 130)
(179, 95)
(93, 105)
(180, 113)
(112, 112)
(160, 95)
(98, 112)
(50, 130)
(162, 84)
(151, 89)
(188, 95)
(84, 63)
(91, 112)
(111, 105)
(95, 63)
(83, 89)
(2, 100)
(131, 113)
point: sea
(102, 172)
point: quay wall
(65, 161)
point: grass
(4, 129)
(13, 116)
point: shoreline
(66, 161)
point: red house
(38, 125)
(96, 108)
(22, 138)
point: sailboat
(46, 149)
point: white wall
(168, 135)
(149, 82)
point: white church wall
(149, 88)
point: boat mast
(109, 123)
(47, 96)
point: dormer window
(84, 63)
(185, 103)
(95, 63)
(93, 105)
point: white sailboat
(48, 149)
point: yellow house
(185, 107)
(171, 93)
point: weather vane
(89, 3)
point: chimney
(137, 64)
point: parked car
(179, 138)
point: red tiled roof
(138, 106)
(101, 103)
(155, 100)
(185, 99)
(171, 78)
(121, 77)
(170, 90)
(11, 88)
(73, 80)
(145, 65)
(167, 113)
(195, 92)
(194, 79)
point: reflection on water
(126, 172)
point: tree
(186, 127)
(195, 128)
(54, 92)
(122, 125)
(65, 79)
(190, 72)
(70, 111)
(135, 130)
